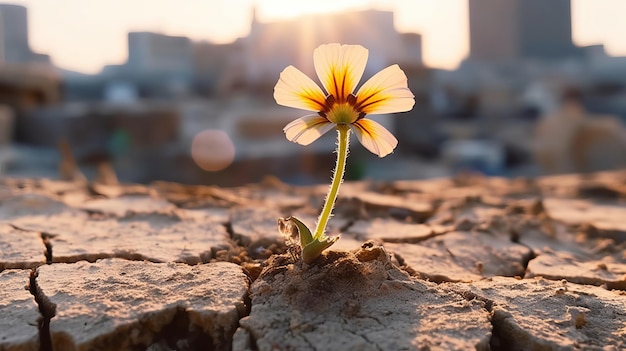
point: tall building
(272, 46)
(504, 30)
(158, 65)
(14, 33)
(14, 46)
(154, 52)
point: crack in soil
(176, 335)
(45, 237)
(495, 341)
(526, 261)
(504, 332)
(253, 344)
(47, 310)
(179, 335)
(249, 343)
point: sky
(84, 35)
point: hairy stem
(343, 139)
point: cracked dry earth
(446, 264)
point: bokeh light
(212, 150)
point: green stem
(343, 139)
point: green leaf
(314, 249)
(311, 248)
(305, 234)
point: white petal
(374, 137)
(386, 92)
(307, 129)
(296, 89)
(340, 68)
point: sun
(272, 10)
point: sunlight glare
(270, 10)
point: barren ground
(445, 264)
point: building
(219, 69)
(154, 52)
(158, 66)
(14, 45)
(272, 46)
(162, 66)
(506, 30)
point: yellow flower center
(343, 113)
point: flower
(339, 68)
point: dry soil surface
(445, 264)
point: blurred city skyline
(530, 98)
(100, 26)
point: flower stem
(343, 139)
